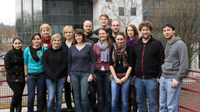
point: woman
(54, 62)
(34, 71)
(120, 67)
(132, 35)
(102, 70)
(45, 31)
(14, 65)
(81, 67)
(66, 44)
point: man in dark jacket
(91, 37)
(173, 70)
(147, 60)
(91, 40)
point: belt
(121, 75)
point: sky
(7, 12)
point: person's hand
(158, 80)
(94, 78)
(90, 78)
(133, 78)
(68, 79)
(26, 79)
(118, 81)
(123, 80)
(110, 77)
(174, 83)
(16, 80)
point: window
(121, 11)
(133, 11)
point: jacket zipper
(143, 59)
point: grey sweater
(176, 59)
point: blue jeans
(147, 88)
(124, 92)
(55, 89)
(103, 91)
(169, 97)
(80, 87)
(32, 81)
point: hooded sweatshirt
(176, 59)
(55, 63)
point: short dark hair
(120, 33)
(79, 31)
(169, 25)
(147, 24)
(35, 35)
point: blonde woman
(54, 62)
(45, 31)
(66, 44)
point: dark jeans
(103, 91)
(92, 95)
(32, 82)
(17, 88)
(68, 95)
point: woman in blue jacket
(34, 72)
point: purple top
(130, 42)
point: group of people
(123, 69)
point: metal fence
(189, 99)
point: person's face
(36, 40)
(103, 35)
(56, 42)
(115, 26)
(130, 31)
(45, 32)
(168, 32)
(68, 34)
(145, 32)
(104, 21)
(119, 40)
(17, 44)
(78, 38)
(87, 27)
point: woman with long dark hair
(14, 65)
(34, 72)
(131, 36)
(120, 67)
(102, 70)
(81, 67)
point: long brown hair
(80, 32)
(109, 41)
(136, 33)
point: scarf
(47, 41)
(130, 42)
(120, 50)
(104, 51)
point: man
(91, 40)
(91, 37)
(115, 26)
(147, 60)
(173, 70)
(104, 19)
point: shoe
(70, 110)
(19, 105)
(13, 105)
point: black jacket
(147, 58)
(55, 63)
(14, 65)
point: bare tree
(185, 15)
(124, 10)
